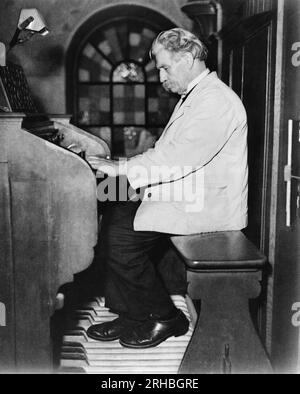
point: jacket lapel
(176, 114)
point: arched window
(117, 89)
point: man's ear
(188, 56)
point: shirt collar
(195, 81)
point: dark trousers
(141, 267)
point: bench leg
(225, 321)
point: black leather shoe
(152, 332)
(109, 331)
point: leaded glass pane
(101, 132)
(137, 140)
(118, 142)
(122, 32)
(156, 131)
(129, 104)
(84, 75)
(160, 104)
(128, 72)
(151, 72)
(113, 39)
(104, 47)
(92, 66)
(140, 40)
(130, 141)
(93, 104)
(136, 51)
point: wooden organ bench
(224, 271)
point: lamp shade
(31, 19)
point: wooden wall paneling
(255, 97)
(7, 321)
(237, 70)
(248, 58)
(276, 167)
(258, 91)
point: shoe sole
(153, 344)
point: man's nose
(162, 76)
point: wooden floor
(85, 355)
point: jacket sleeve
(205, 129)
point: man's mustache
(166, 86)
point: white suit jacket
(196, 174)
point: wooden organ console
(48, 219)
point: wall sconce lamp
(30, 23)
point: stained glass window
(118, 90)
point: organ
(48, 225)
